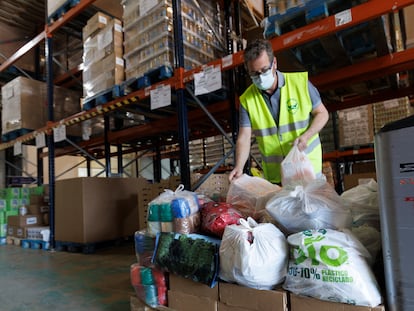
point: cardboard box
(224, 307)
(23, 221)
(17, 232)
(138, 305)
(96, 22)
(93, 209)
(299, 303)
(356, 126)
(390, 110)
(409, 25)
(186, 302)
(180, 284)
(233, 295)
(351, 181)
(23, 104)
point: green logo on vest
(292, 105)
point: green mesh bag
(191, 256)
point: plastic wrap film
(103, 55)
(149, 38)
(150, 285)
(24, 104)
(174, 211)
(144, 247)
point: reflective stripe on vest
(294, 118)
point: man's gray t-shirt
(273, 101)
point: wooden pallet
(89, 248)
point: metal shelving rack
(366, 70)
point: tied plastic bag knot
(299, 193)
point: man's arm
(242, 152)
(320, 118)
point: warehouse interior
(117, 109)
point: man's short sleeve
(244, 119)
(314, 95)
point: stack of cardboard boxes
(187, 295)
(102, 54)
(24, 105)
(23, 209)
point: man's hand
(301, 142)
(235, 173)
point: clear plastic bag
(250, 194)
(296, 168)
(253, 255)
(313, 206)
(174, 211)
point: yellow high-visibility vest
(275, 141)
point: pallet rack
(391, 63)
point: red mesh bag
(216, 216)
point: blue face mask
(264, 81)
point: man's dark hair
(255, 47)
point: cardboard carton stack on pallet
(102, 54)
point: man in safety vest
(281, 109)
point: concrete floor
(40, 280)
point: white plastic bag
(253, 255)
(250, 194)
(315, 205)
(331, 265)
(370, 237)
(363, 202)
(296, 168)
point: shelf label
(17, 148)
(343, 18)
(86, 129)
(208, 80)
(160, 96)
(59, 133)
(40, 140)
(227, 61)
